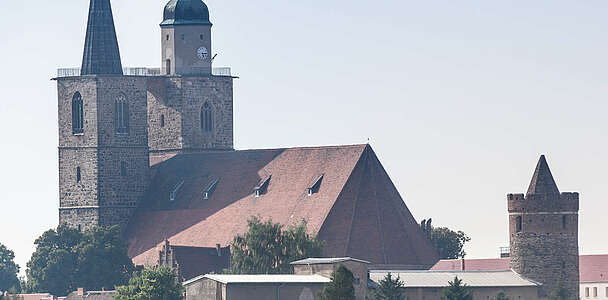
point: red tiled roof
(490, 264)
(592, 268)
(356, 209)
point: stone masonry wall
(547, 258)
(77, 200)
(179, 101)
(104, 195)
(545, 247)
(120, 192)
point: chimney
(218, 247)
(80, 292)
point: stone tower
(190, 109)
(103, 142)
(543, 228)
(186, 38)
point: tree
(102, 259)
(448, 243)
(8, 270)
(501, 296)
(341, 286)
(390, 288)
(457, 291)
(66, 259)
(560, 292)
(158, 283)
(267, 248)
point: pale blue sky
(459, 98)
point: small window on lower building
(587, 292)
(123, 168)
(595, 292)
(162, 120)
(606, 291)
(78, 175)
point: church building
(152, 150)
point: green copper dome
(186, 12)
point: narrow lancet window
(78, 175)
(206, 118)
(564, 222)
(77, 114)
(123, 169)
(518, 222)
(121, 115)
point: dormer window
(209, 190)
(173, 194)
(314, 188)
(261, 188)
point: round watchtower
(543, 227)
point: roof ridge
(306, 147)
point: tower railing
(139, 71)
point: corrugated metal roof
(228, 279)
(330, 260)
(441, 278)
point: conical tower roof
(101, 55)
(542, 180)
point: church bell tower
(186, 38)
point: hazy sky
(458, 98)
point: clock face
(202, 53)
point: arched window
(121, 115)
(206, 118)
(77, 114)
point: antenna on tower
(213, 57)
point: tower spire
(542, 180)
(101, 55)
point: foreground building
(420, 285)
(152, 150)
(593, 271)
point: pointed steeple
(101, 55)
(542, 180)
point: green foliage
(457, 291)
(8, 270)
(66, 259)
(448, 243)
(268, 249)
(159, 283)
(560, 292)
(501, 296)
(389, 288)
(341, 286)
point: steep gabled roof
(356, 209)
(542, 181)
